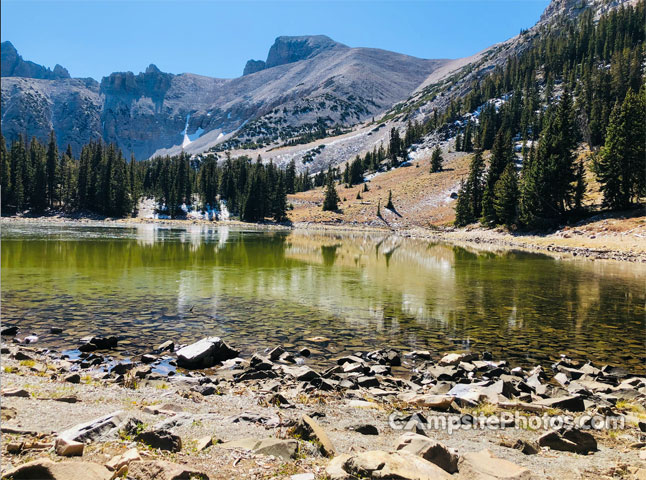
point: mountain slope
(307, 83)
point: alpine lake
(334, 293)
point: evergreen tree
(501, 157)
(622, 162)
(280, 202)
(5, 174)
(290, 176)
(436, 160)
(390, 205)
(52, 170)
(469, 205)
(331, 201)
(506, 196)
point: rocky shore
(202, 411)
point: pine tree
(290, 176)
(52, 170)
(501, 156)
(389, 204)
(469, 205)
(622, 163)
(5, 174)
(506, 196)
(280, 202)
(436, 160)
(580, 186)
(331, 201)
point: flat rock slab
(161, 470)
(45, 468)
(309, 429)
(400, 465)
(435, 402)
(569, 440)
(484, 465)
(283, 449)
(94, 429)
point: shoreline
(592, 240)
(352, 407)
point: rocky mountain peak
(288, 49)
(13, 65)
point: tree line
(35, 177)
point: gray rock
(205, 353)
(484, 465)
(569, 440)
(365, 429)
(309, 429)
(95, 429)
(73, 378)
(162, 470)
(572, 403)
(283, 449)
(161, 439)
(396, 465)
(434, 452)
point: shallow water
(150, 283)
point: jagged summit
(292, 49)
(13, 65)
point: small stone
(56, 330)
(68, 448)
(117, 462)
(16, 392)
(365, 429)
(304, 352)
(167, 345)
(148, 358)
(14, 447)
(203, 443)
(73, 378)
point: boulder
(334, 469)
(55, 330)
(161, 439)
(283, 449)
(98, 343)
(117, 462)
(308, 429)
(430, 450)
(399, 465)
(94, 429)
(569, 440)
(162, 470)
(484, 465)
(302, 374)
(205, 353)
(46, 469)
(68, 448)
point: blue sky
(93, 38)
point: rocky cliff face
(13, 65)
(292, 49)
(306, 82)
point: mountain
(307, 84)
(13, 65)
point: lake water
(256, 289)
